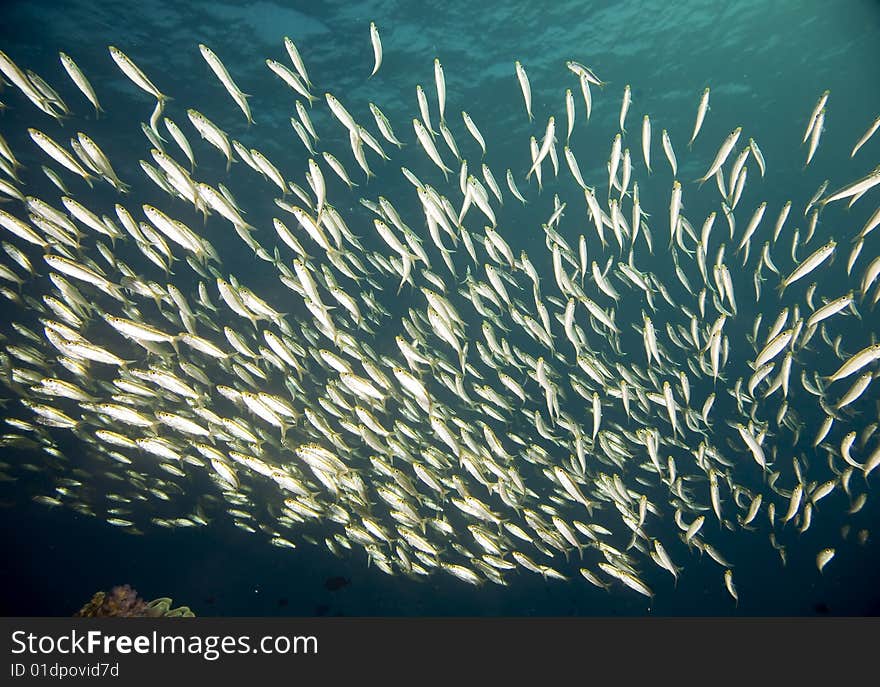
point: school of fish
(391, 378)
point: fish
(377, 48)
(474, 131)
(864, 138)
(584, 72)
(856, 188)
(669, 152)
(546, 144)
(54, 150)
(808, 265)
(297, 60)
(731, 588)
(569, 115)
(758, 155)
(440, 84)
(430, 149)
(524, 85)
(856, 362)
(133, 72)
(211, 133)
(722, 154)
(624, 106)
(702, 108)
(823, 558)
(223, 75)
(646, 142)
(18, 78)
(819, 106)
(384, 126)
(817, 126)
(425, 393)
(79, 79)
(295, 82)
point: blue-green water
(766, 65)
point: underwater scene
(432, 309)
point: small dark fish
(334, 584)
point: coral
(123, 602)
